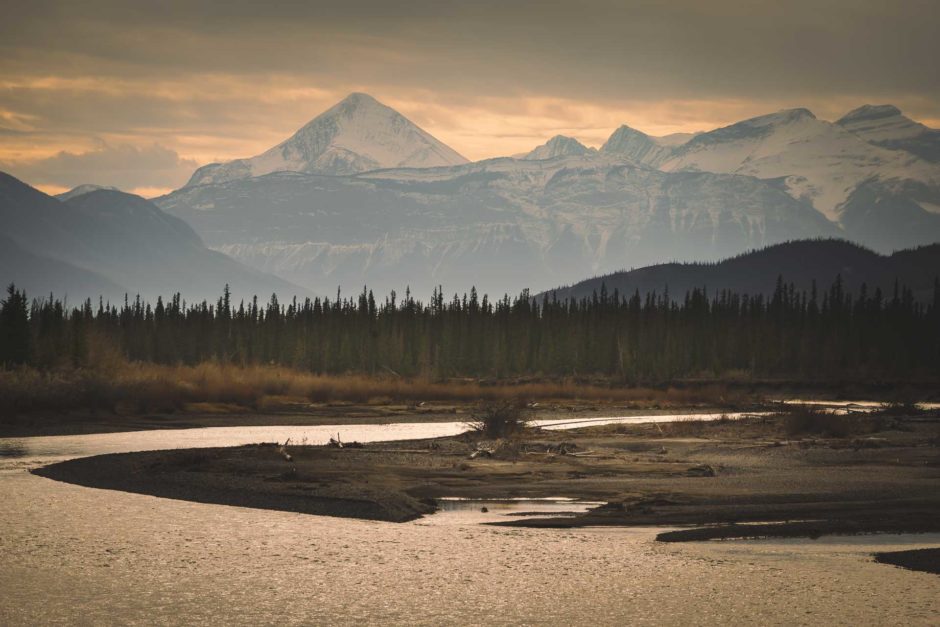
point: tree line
(635, 338)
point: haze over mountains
(108, 243)
(350, 199)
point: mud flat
(725, 479)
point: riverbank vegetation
(650, 350)
(135, 387)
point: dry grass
(130, 388)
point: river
(76, 555)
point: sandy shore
(721, 479)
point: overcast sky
(137, 94)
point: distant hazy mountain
(502, 224)
(799, 262)
(559, 146)
(108, 242)
(83, 189)
(886, 126)
(40, 275)
(355, 135)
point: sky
(138, 94)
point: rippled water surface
(70, 554)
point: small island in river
(798, 473)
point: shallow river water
(70, 554)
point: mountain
(39, 275)
(502, 224)
(636, 145)
(798, 262)
(558, 146)
(562, 211)
(107, 243)
(863, 172)
(356, 135)
(886, 126)
(813, 159)
(83, 189)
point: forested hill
(799, 263)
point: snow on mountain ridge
(558, 146)
(635, 145)
(819, 161)
(84, 188)
(499, 224)
(888, 127)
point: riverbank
(878, 474)
(289, 412)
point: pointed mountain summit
(636, 146)
(558, 146)
(357, 134)
(886, 126)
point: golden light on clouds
(85, 83)
(214, 117)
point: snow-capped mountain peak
(886, 126)
(357, 134)
(558, 146)
(869, 112)
(818, 161)
(878, 123)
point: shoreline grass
(136, 388)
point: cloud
(123, 166)
(212, 80)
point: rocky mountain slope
(501, 224)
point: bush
(501, 418)
(803, 420)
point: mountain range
(102, 242)
(801, 264)
(360, 195)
